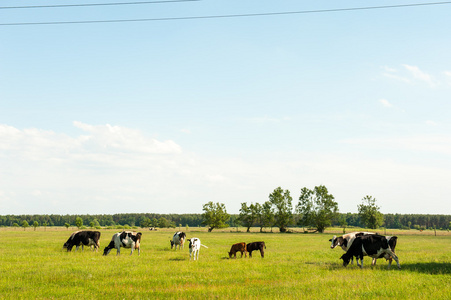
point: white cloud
(431, 123)
(420, 75)
(79, 175)
(124, 139)
(385, 103)
(411, 74)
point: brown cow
(240, 247)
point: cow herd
(355, 244)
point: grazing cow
(256, 246)
(345, 241)
(239, 247)
(125, 239)
(373, 245)
(83, 238)
(194, 247)
(178, 240)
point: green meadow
(296, 265)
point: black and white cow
(83, 238)
(194, 247)
(125, 239)
(345, 241)
(374, 245)
(178, 240)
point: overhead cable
(94, 4)
(229, 16)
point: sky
(163, 116)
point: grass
(33, 265)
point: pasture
(302, 266)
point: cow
(83, 238)
(239, 247)
(373, 245)
(345, 242)
(392, 240)
(194, 247)
(256, 246)
(178, 239)
(125, 239)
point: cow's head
(345, 259)
(334, 242)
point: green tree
(283, 212)
(317, 208)
(145, 222)
(267, 216)
(25, 224)
(215, 215)
(35, 225)
(163, 222)
(369, 213)
(67, 225)
(78, 222)
(248, 215)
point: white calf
(194, 247)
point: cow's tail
(203, 246)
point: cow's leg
(373, 263)
(250, 254)
(395, 257)
(118, 250)
(262, 252)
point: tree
(163, 222)
(369, 213)
(35, 225)
(267, 216)
(317, 208)
(67, 225)
(78, 222)
(25, 224)
(248, 215)
(283, 214)
(215, 215)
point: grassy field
(33, 266)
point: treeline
(395, 221)
(402, 221)
(130, 219)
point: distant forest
(395, 221)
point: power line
(94, 4)
(230, 16)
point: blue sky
(164, 116)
